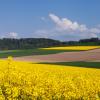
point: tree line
(31, 43)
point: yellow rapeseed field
(72, 48)
(31, 81)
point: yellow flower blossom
(72, 48)
(32, 81)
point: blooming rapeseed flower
(72, 48)
(27, 81)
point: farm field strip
(29, 81)
(87, 56)
(44, 51)
(72, 48)
(27, 52)
(77, 63)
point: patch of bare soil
(91, 55)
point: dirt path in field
(91, 55)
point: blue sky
(57, 19)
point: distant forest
(31, 43)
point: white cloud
(73, 28)
(62, 35)
(12, 35)
(66, 29)
(66, 24)
(95, 30)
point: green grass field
(18, 53)
(78, 63)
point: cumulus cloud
(13, 35)
(66, 29)
(10, 35)
(66, 24)
(95, 30)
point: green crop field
(27, 52)
(78, 64)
